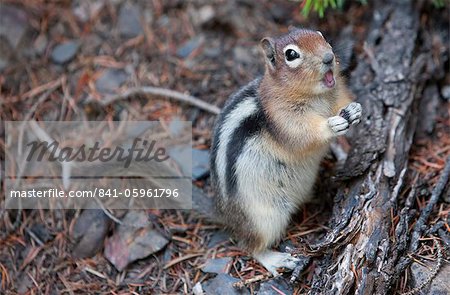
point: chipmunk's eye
(291, 54)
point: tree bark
(360, 251)
(365, 252)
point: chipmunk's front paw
(352, 113)
(338, 125)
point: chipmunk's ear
(268, 46)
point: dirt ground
(62, 60)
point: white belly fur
(271, 191)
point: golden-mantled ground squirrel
(270, 138)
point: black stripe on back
(250, 90)
(248, 128)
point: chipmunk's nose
(328, 58)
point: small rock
(191, 161)
(40, 44)
(90, 230)
(41, 232)
(446, 92)
(223, 284)
(129, 21)
(65, 52)
(182, 155)
(110, 81)
(212, 52)
(440, 285)
(204, 14)
(188, 47)
(85, 10)
(134, 239)
(274, 286)
(218, 265)
(167, 256)
(200, 163)
(13, 24)
(198, 289)
(217, 238)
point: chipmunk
(270, 138)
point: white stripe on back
(242, 110)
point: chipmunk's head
(301, 61)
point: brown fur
(288, 94)
(297, 105)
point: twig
(182, 258)
(150, 90)
(258, 278)
(437, 191)
(401, 235)
(44, 136)
(445, 238)
(34, 237)
(27, 117)
(107, 213)
(404, 262)
(299, 268)
(432, 274)
(94, 272)
(434, 229)
(66, 284)
(50, 86)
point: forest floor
(63, 60)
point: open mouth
(328, 79)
